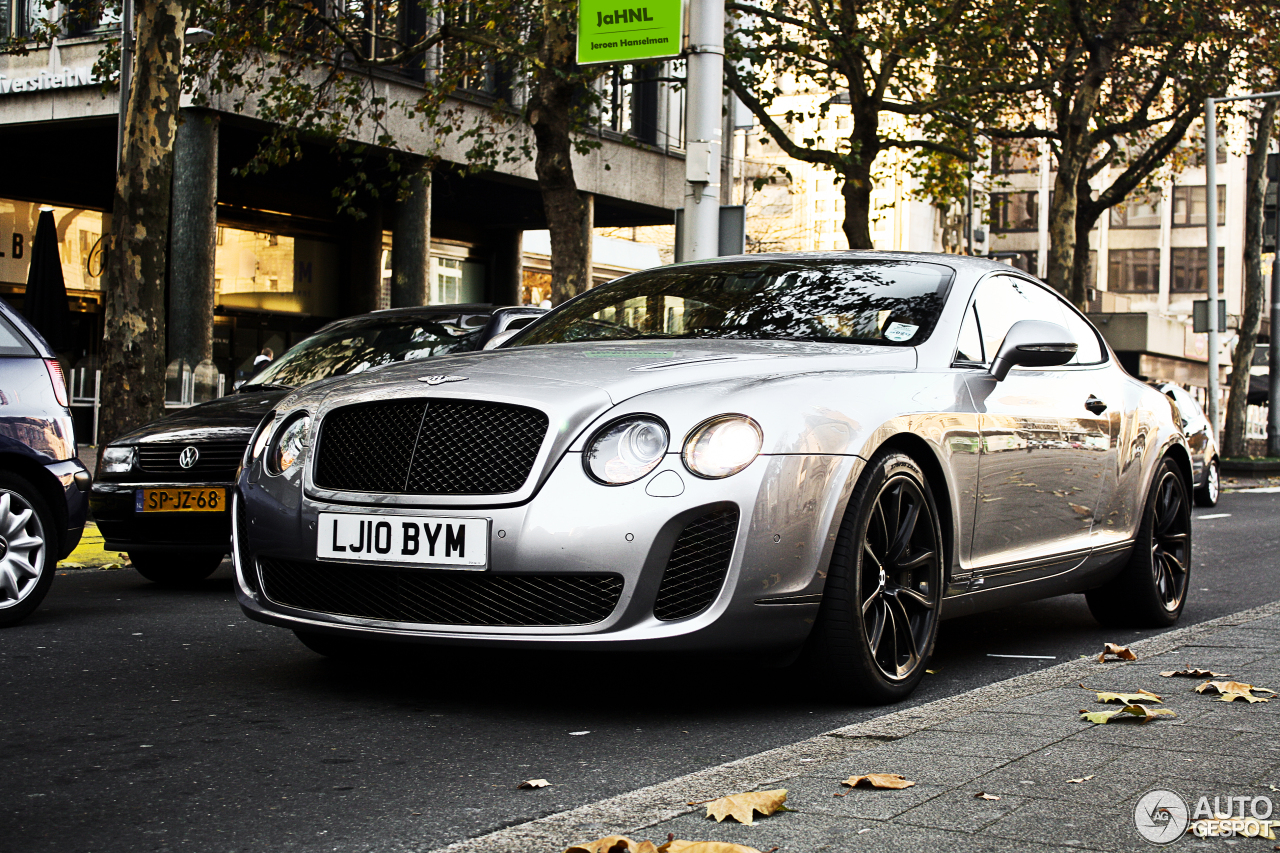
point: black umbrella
(1259, 390)
(45, 304)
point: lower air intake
(441, 598)
(698, 564)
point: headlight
(117, 460)
(626, 450)
(288, 444)
(265, 429)
(722, 446)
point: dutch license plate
(455, 543)
(181, 500)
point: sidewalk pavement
(1021, 740)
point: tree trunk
(549, 111)
(1255, 297)
(134, 339)
(1062, 226)
(856, 190)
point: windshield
(889, 302)
(357, 348)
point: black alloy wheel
(1151, 590)
(879, 615)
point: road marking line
(1029, 657)
(1212, 515)
(1260, 490)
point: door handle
(1095, 405)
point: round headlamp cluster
(722, 446)
(628, 449)
(286, 446)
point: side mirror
(500, 339)
(1033, 343)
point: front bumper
(787, 508)
(72, 477)
(125, 529)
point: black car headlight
(117, 460)
(286, 446)
(625, 450)
(722, 446)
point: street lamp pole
(703, 130)
(126, 74)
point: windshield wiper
(264, 386)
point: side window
(969, 347)
(1091, 350)
(11, 340)
(1003, 301)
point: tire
(337, 646)
(29, 549)
(176, 569)
(1207, 493)
(1151, 589)
(878, 620)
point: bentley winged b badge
(440, 380)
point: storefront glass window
(79, 244)
(256, 270)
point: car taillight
(59, 381)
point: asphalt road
(139, 719)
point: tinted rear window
(11, 340)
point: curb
(634, 810)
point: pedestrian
(262, 359)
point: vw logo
(187, 458)
(440, 380)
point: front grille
(429, 447)
(218, 460)
(699, 561)
(441, 598)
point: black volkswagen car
(42, 483)
(162, 492)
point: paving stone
(933, 769)
(818, 796)
(937, 742)
(960, 809)
(1110, 827)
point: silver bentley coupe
(817, 455)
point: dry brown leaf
(1081, 780)
(1119, 652)
(1194, 673)
(614, 844)
(1229, 691)
(742, 807)
(1129, 698)
(678, 846)
(535, 783)
(983, 795)
(1142, 712)
(891, 781)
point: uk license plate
(181, 500)
(453, 543)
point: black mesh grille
(218, 460)
(441, 598)
(367, 448)
(454, 447)
(698, 563)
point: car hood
(227, 418)
(620, 369)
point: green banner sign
(629, 30)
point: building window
(1190, 204)
(1015, 211)
(1138, 211)
(1025, 261)
(1012, 158)
(1133, 270)
(1191, 270)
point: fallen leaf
(742, 807)
(983, 795)
(1129, 698)
(1194, 673)
(1142, 712)
(1229, 691)
(891, 781)
(678, 846)
(536, 783)
(614, 844)
(1119, 652)
(1081, 780)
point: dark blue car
(43, 486)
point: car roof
(415, 312)
(966, 262)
